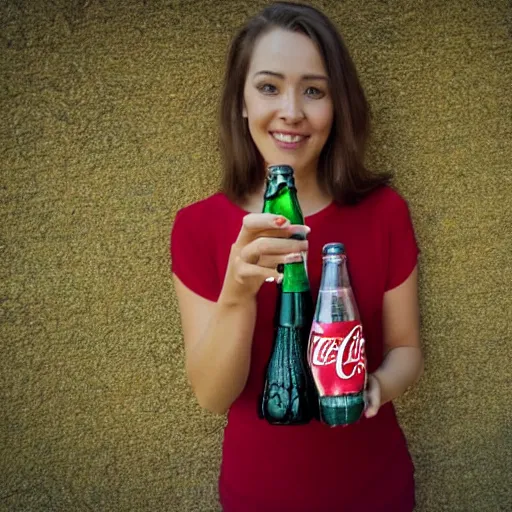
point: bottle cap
(280, 169)
(333, 249)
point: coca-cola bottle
(336, 350)
(289, 396)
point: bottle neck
(334, 273)
(281, 199)
(276, 182)
(336, 301)
(284, 202)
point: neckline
(314, 217)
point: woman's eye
(267, 89)
(314, 92)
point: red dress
(310, 468)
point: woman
(292, 96)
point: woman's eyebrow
(280, 75)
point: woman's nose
(291, 108)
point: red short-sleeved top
(308, 468)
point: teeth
(287, 138)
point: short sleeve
(403, 247)
(190, 261)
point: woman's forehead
(286, 52)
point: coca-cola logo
(347, 352)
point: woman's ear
(244, 111)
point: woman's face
(287, 100)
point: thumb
(372, 398)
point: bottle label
(336, 356)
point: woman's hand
(263, 243)
(372, 397)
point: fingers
(262, 221)
(247, 272)
(272, 251)
(372, 397)
(264, 242)
(272, 261)
(268, 225)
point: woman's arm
(403, 363)
(218, 335)
(217, 338)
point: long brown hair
(341, 169)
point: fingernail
(280, 221)
(293, 257)
(279, 280)
(297, 232)
(269, 280)
(299, 229)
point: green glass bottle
(289, 395)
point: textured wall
(108, 127)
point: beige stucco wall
(108, 127)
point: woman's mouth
(288, 140)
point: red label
(336, 356)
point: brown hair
(341, 171)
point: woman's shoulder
(383, 201)
(385, 195)
(205, 209)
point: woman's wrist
(401, 369)
(234, 294)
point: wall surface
(109, 126)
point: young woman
(292, 96)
